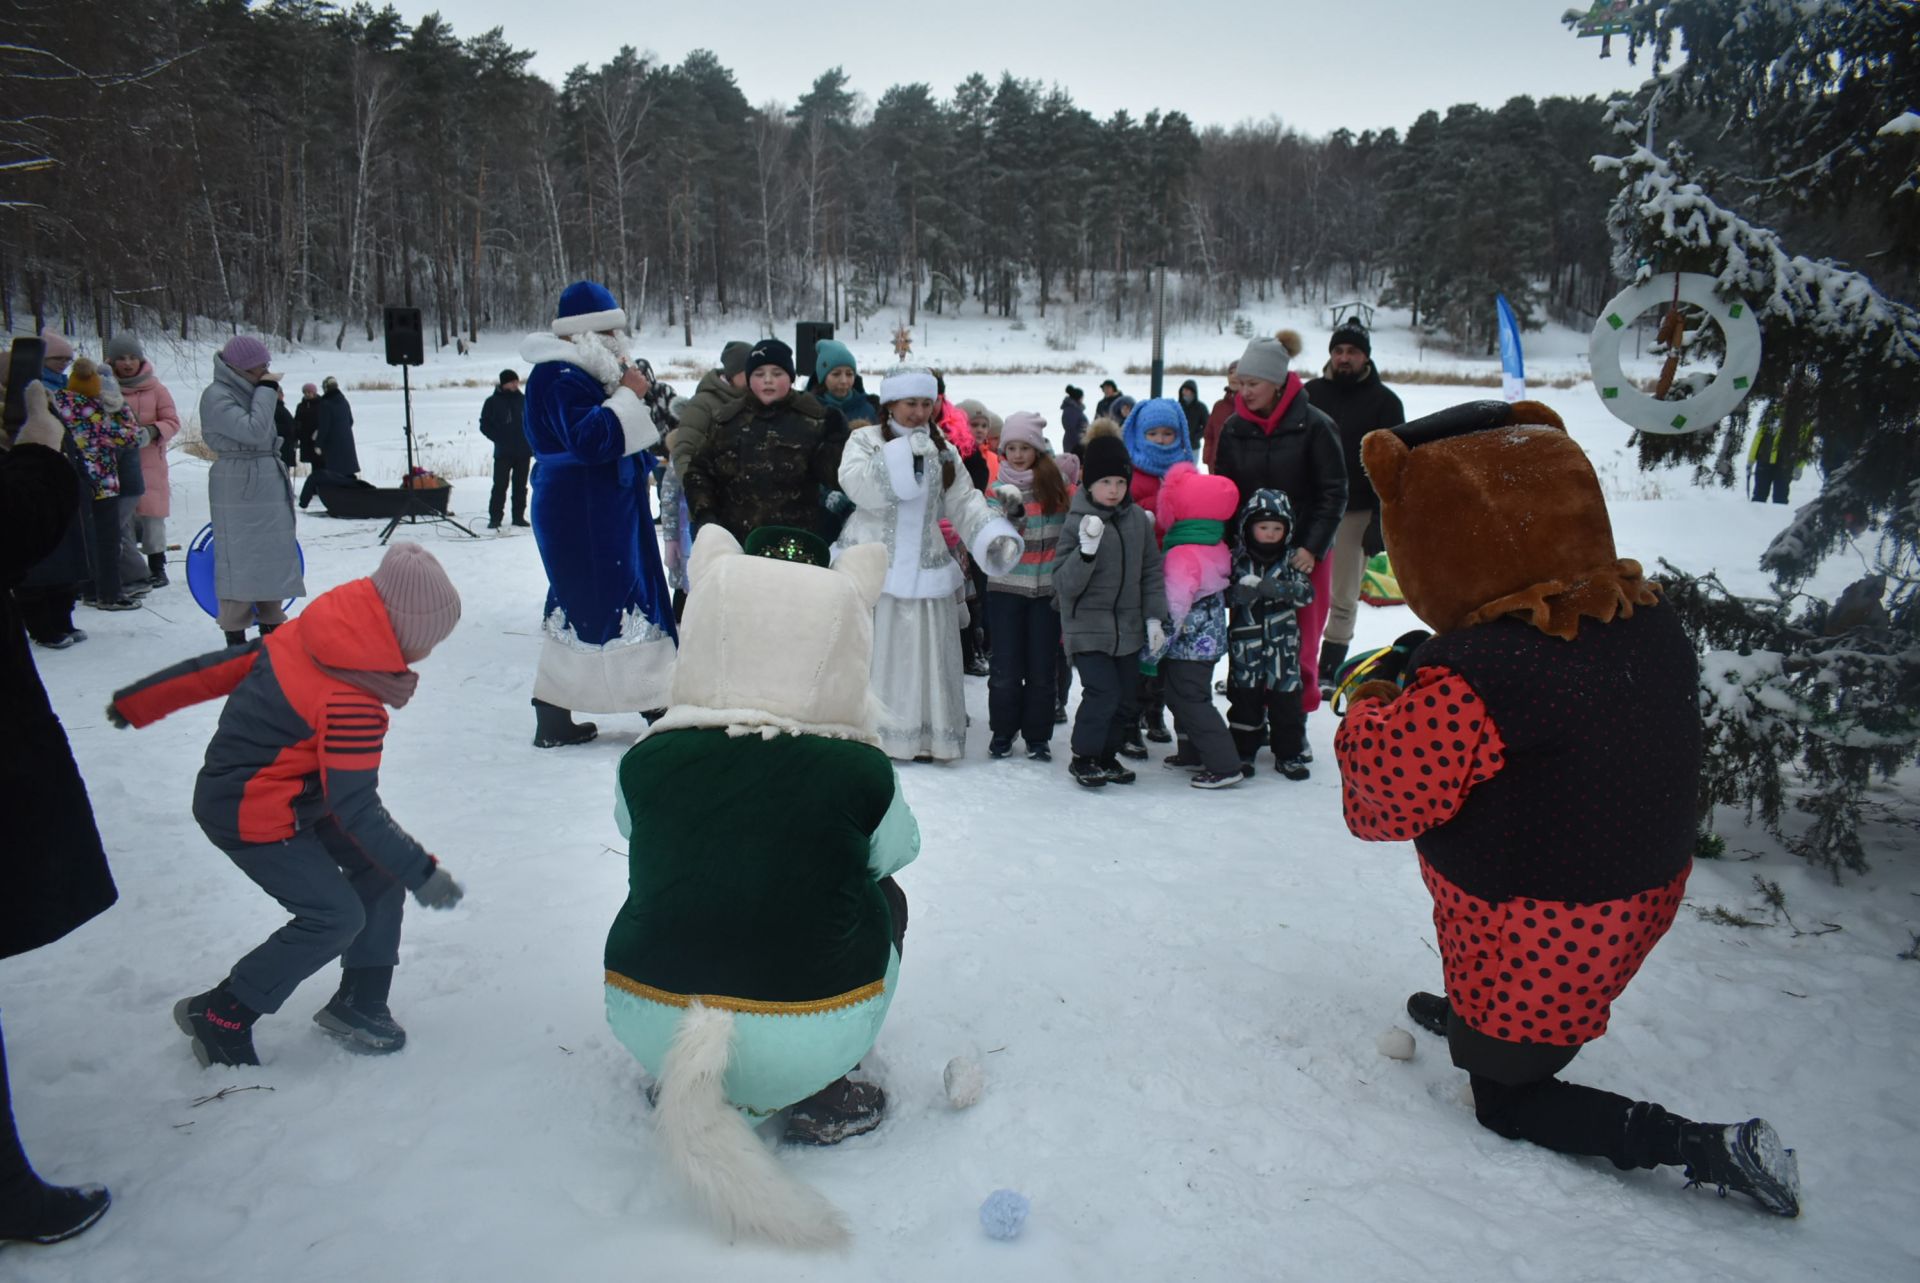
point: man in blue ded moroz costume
(609, 641)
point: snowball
(965, 1080)
(1004, 1214)
(1395, 1043)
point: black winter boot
(358, 1015)
(1430, 1011)
(1747, 1157)
(841, 1109)
(32, 1211)
(1116, 773)
(1156, 724)
(267, 630)
(220, 1025)
(554, 726)
(1332, 655)
(1087, 771)
(157, 569)
(236, 638)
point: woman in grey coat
(256, 564)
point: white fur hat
(778, 645)
(907, 381)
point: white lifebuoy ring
(1704, 408)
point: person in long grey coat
(256, 564)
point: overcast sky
(1364, 64)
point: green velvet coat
(752, 886)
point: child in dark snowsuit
(290, 791)
(1108, 584)
(1263, 638)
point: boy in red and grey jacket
(290, 792)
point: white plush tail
(736, 1181)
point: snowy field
(1175, 994)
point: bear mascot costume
(754, 960)
(1542, 753)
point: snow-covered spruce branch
(1820, 295)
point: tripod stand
(413, 508)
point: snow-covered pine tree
(1815, 92)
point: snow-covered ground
(1175, 994)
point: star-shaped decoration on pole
(902, 341)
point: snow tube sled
(1387, 664)
(1378, 587)
(200, 571)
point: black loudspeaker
(806, 337)
(406, 345)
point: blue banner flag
(1513, 366)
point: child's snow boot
(1039, 752)
(357, 1014)
(1156, 722)
(220, 1025)
(1205, 779)
(1294, 768)
(1085, 770)
(841, 1109)
(1747, 1157)
(1133, 746)
(235, 638)
(157, 569)
(1430, 1011)
(554, 727)
(1116, 773)
(1000, 746)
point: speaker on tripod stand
(406, 347)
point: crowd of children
(1121, 561)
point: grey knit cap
(125, 344)
(1265, 359)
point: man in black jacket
(503, 421)
(1353, 396)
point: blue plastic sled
(200, 570)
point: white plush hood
(776, 646)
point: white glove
(111, 397)
(1091, 528)
(1003, 554)
(921, 443)
(1156, 637)
(1011, 501)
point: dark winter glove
(115, 716)
(1246, 590)
(439, 891)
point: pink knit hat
(1024, 425)
(244, 352)
(420, 600)
(57, 346)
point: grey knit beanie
(1265, 359)
(420, 600)
(733, 358)
(125, 344)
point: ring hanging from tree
(1708, 405)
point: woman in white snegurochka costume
(904, 478)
